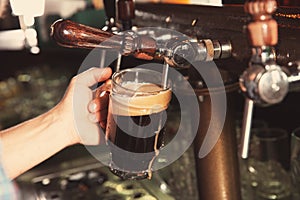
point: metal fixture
(176, 50)
(264, 82)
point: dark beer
(135, 128)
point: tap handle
(263, 29)
(126, 13)
(73, 35)
(263, 81)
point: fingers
(94, 75)
(100, 100)
(103, 124)
(104, 88)
(100, 117)
(98, 108)
(99, 103)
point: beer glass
(246, 188)
(295, 162)
(136, 121)
(268, 164)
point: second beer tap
(264, 82)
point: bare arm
(27, 144)
(31, 142)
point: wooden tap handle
(260, 7)
(263, 33)
(263, 30)
(73, 35)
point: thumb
(94, 75)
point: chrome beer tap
(175, 51)
(264, 82)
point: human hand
(81, 109)
(99, 105)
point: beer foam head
(144, 99)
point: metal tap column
(218, 172)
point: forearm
(29, 143)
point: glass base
(130, 175)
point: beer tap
(264, 82)
(175, 51)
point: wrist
(64, 126)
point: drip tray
(92, 182)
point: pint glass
(136, 121)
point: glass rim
(123, 71)
(269, 136)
